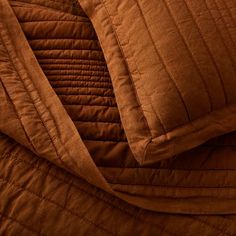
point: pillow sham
(173, 68)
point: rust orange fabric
(67, 165)
(173, 67)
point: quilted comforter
(66, 164)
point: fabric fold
(35, 117)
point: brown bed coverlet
(173, 67)
(65, 161)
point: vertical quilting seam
(69, 187)
(162, 60)
(54, 203)
(209, 52)
(230, 13)
(225, 24)
(18, 117)
(81, 189)
(37, 168)
(222, 38)
(190, 54)
(10, 218)
(133, 83)
(127, 68)
(33, 103)
(49, 123)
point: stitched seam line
(55, 79)
(74, 78)
(20, 223)
(102, 140)
(85, 83)
(75, 74)
(85, 104)
(171, 186)
(137, 69)
(92, 78)
(224, 232)
(64, 3)
(162, 61)
(203, 41)
(94, 196)
(10, 153)
(43, 123)
(208, 49)
(211, 152)
(132, 82)
(60, 38)
(227, 218)
(78, 67)
(75, 69)
(85, 94)
(16, 185)
(222, 38)
(59, 20)
(224, 22)
(60, 5)
(17, 160)
(114, 124)
(76, 86)
(110, 203)
(51, 140)
(70, 60)
(18, 117)
(189, 52)
(98, 121)
(230, 13)
(172, 169)
(127, 68)
(71, 50)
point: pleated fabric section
(67, 49)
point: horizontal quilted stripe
(69, 6)
(26, 186)
(28, 206)
(72, 60)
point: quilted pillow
(173, 68)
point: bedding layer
(54, 87)
(173, 68)
(71, 58)
(38, 198)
